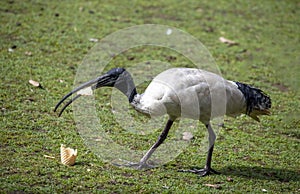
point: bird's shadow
(256, 172)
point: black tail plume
(256, 99)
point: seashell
(67, 155)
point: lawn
(47, 41)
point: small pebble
(187, 136)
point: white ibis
(183, 92)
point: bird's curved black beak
(104, 80)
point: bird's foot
(201, 172)
(140, 166)
(136, 165)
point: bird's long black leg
(160, 140)
(207, 169)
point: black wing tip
(255, 98)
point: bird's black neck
(132, 95)
(126, 85)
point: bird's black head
(116, 71)
(116, 77)
(110, 78)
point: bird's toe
(136, 165)
(201, 172)
(142, 166)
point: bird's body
(184, 93)
(188, 93)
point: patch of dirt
(281, 87)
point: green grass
(255, 155)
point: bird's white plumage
(191, 93)
(236, 103)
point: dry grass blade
(216, 186)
